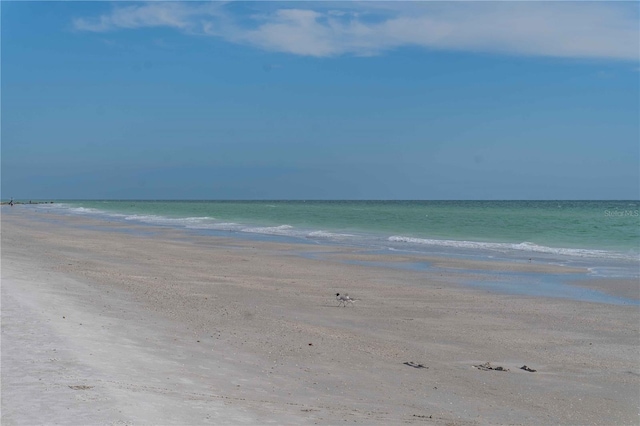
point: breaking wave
(521, 247)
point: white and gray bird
(343, 299)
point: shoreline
(468, 271)
(267, 317)
(199, 219)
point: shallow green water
(588, 225)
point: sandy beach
(120, 324)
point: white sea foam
(218, 226)
(285, 230)
(290, 231)
(84, 210)
(524, 246)
(329, 235)
(141, 218)
(69, 209)
(187, 222)
(66, 208)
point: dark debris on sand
(487, 367)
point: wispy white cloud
(181, 16)
(557, 29)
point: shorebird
(343, 299)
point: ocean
(565, 232)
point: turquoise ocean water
(569, 231)
(603, 237)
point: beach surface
(120, 324)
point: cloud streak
(567, 30)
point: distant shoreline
(6, 203)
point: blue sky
(330, 100)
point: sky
(320, 100)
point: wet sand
(108, 323)
(619, 287)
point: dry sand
(107, 323)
